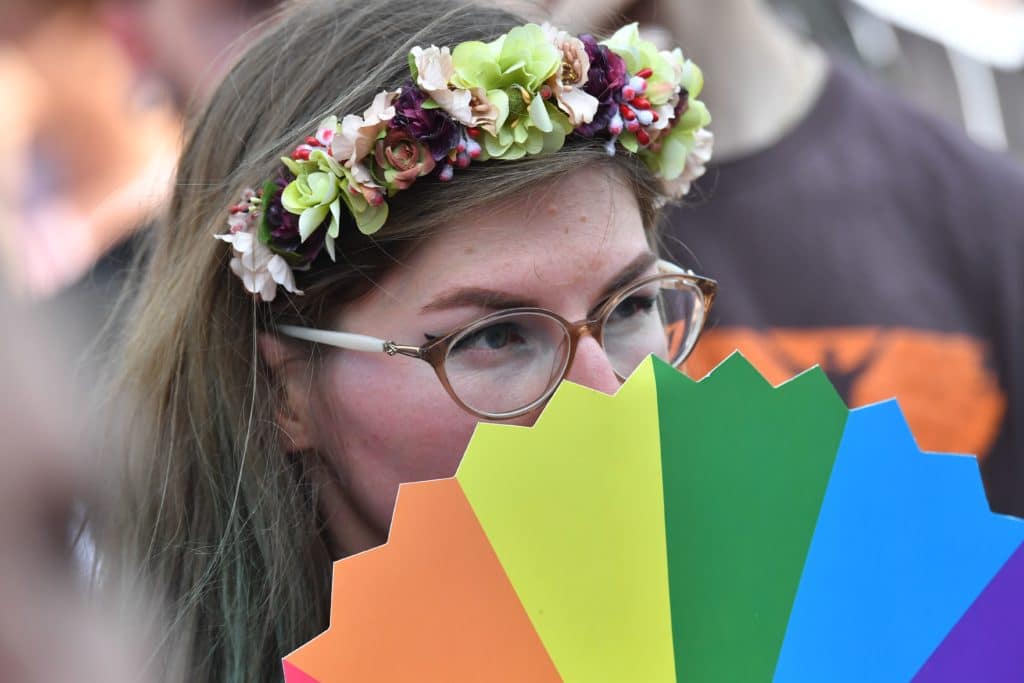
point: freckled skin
(381, 420)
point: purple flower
(432, 127)
(605, 79)
(284, 228)
(284, 225)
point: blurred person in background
(853, 231)
(171, 52)
(83, 153)
(186, 45)
(54, 627)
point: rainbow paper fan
(720, 531)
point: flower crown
(516, 96)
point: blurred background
(89, 131)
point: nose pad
(591, 367)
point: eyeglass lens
(507, 363)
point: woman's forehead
(573, 230)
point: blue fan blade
(904, 543)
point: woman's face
(382, 420)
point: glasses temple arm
(341, 340)
(669, 268)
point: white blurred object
(989, 31)
(875, 39)
(979, 101)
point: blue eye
(491, 338)
(632, 306)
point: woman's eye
(491, 338)
(632, 306)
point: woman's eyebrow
(491, 299)
(633, 270)
(478, 297)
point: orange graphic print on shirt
(943, 382)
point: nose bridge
(590, 365)
(585, 328)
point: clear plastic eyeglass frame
(435, 352)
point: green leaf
(263, 233)
(521, 132)
(325, 163)
(554, 140)
(528, 57)
(534, 142)
(335, 227)
(298, 167)
(372, 219)
(697, 116)
(672, 157)
(413, 71)
(496, 146)
(539, 114)
(329, 243)
(476, 64)
(292, 197)
(693, 79)
(499, 98)
(514, 152)
(628, 140)
(626, 43)
(310, 220)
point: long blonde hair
(217, 513)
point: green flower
(642, 54)
(688, 74)
(512, 70)
(670, 160)
(321, 185)
(312, 196)
(369, 217)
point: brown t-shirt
(880, 243)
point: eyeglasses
(508, 363)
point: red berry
(628, 93)
(301, 153)
(312, 141)
(633, 126)
(473, 132)
(642, 137)
(627, 113)
(641, 103)
(654, 115)
(645, 73)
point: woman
(477, 182)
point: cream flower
(363, 183)
(260, 269)
(696, 164)
(567, 82)
(485, 113)
(434, 72)
(354, 137)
